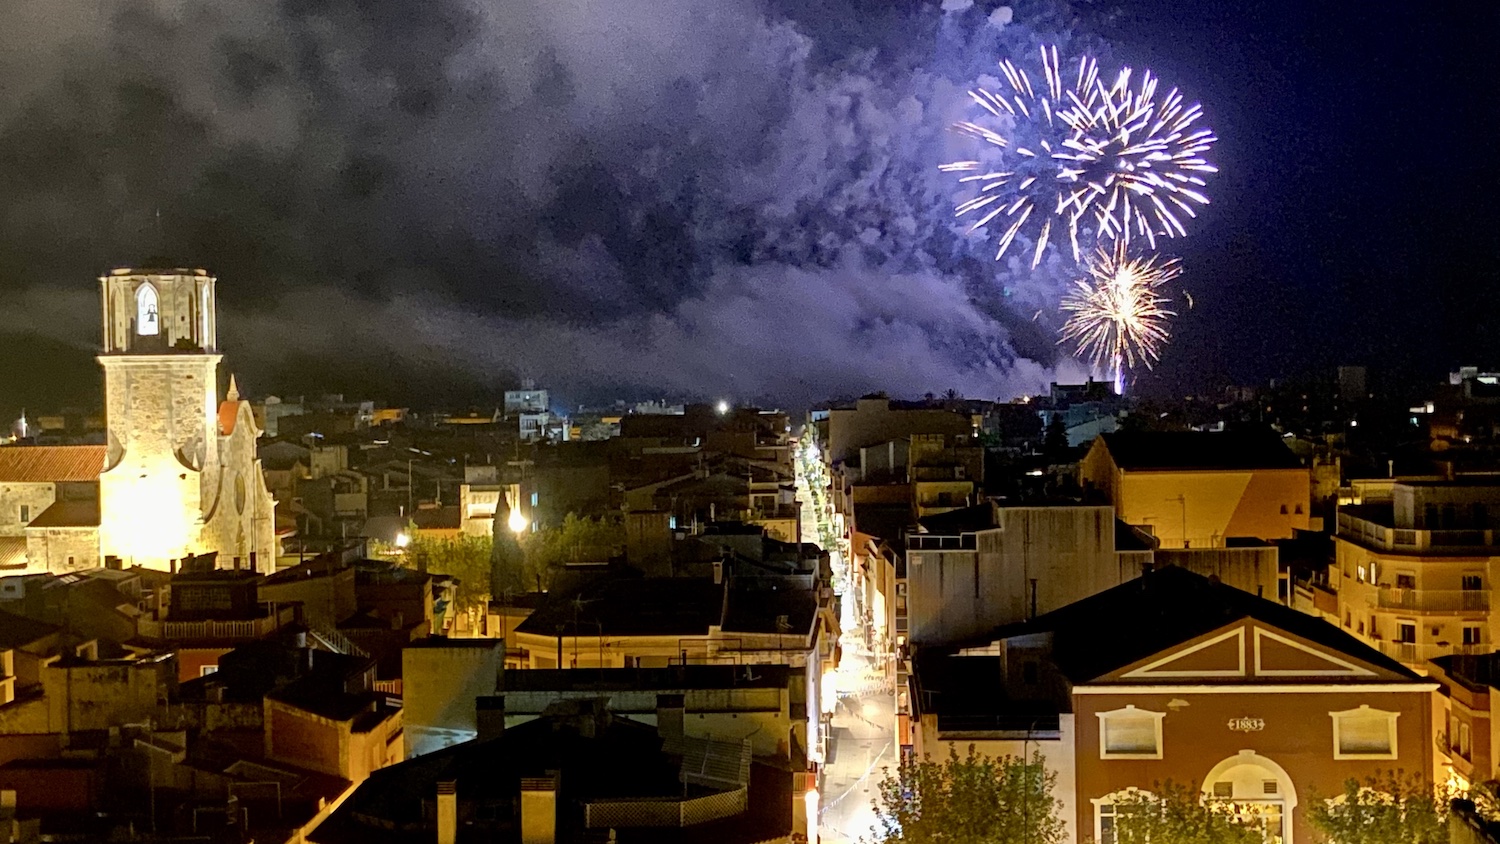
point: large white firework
(1106, 157)
(1118, 312)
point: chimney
(538, 810)
(489, 712)
(252, 562)
(669, 716)
(447, 812)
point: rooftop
(17, 631)
(1163, 609)
(81, 513)
(682, 677)
(599, 758)
(44, 463)
(623, 606)
(1144, 450)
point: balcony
(933, 542)
(1433, 600)
(236, 630)
(1413, 653)
(1374, 535)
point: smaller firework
(1118, 313)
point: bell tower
(161, 366)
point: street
(861, 743)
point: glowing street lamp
(722, 407)
(517, 521)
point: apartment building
(1413, 571)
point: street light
(722, 407)
(517, 521)
(402, 540)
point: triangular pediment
(1281, 655)
(1249, 651)
(1219, 655)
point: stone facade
(181, 475)
(22, 502)
(62, 549)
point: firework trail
(1118, 312)
(1093, 155)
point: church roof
(44, 463)
(229, 413)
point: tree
(507, 559)
(577, 539)
(466, 558)
(1055, 444)
(1385, 809)
(1174, 814)
(971, 800)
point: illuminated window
(146, 315)
(1364, 733)
(1130, 733)
(1361, 575)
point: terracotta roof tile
(229, 413)
(42, 463)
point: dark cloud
(669, 196)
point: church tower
(161, 367)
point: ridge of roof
(1142, 450)
(1165, 608)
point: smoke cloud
(615, 198)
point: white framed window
(1364, 733)
(1130, 733)
(205, 670)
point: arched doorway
(1259, 789)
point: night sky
(426, 201)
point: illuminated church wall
(180, 476)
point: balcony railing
(1375, 535)
(1414, 653)
(237, 630)
(931, 542)
(1433, 600)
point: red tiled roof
(42, 463)
(12, 552)
(229, 413)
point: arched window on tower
(147, 320)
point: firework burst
(1093, 154)
(1118, 313)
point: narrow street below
(861, 742)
